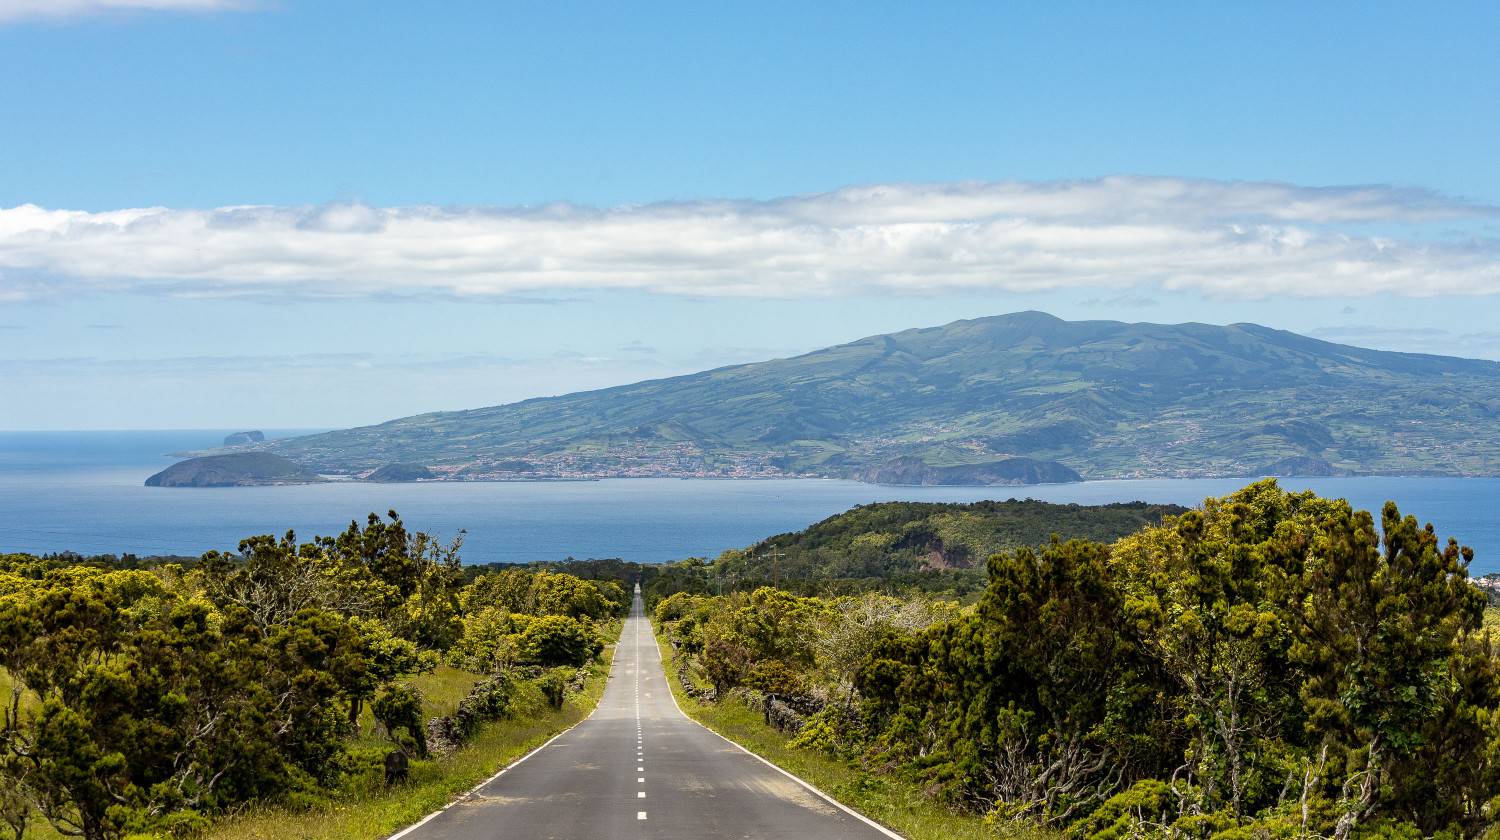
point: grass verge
(889, 801)
(378, 810)
(441, 692)
(367, 808)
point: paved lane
(640, 768)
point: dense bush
(153, 699)
(1272, 665)
(559, 640)
(400, 707)
(1267, 648)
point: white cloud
(1218, 239)
(43, 9)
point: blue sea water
(84, 492)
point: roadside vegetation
(369, 809)
(1268, 666)
(890, 801)
(1273, 665)
(341, 687)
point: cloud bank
(1231, 240)
(11, 10)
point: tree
(419, 576)
(724, 663)
(1380, 621)
(1209, 594)
(276, 579)
(842, 637)
(388, 658)
(1057, 654)
(491, 640)
(147, 724)
(400, 707)
(558, 640)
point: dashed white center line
(639, 732)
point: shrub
(400, 707)
(774, 677)
(558, 640)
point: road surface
(640, 768)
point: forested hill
(1008, 399)
(939, 549)
(893, 538)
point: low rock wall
(488, 700)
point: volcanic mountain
(1019, 398)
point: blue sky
(309, 214)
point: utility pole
(732, 581)
(775, 565)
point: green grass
(378, 810)
(367, 808)
(441, 690)
(889, 801)
(29, 700)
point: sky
(321, 214)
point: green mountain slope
(237, 469)
(891, 538)
(1103, 398)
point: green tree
(558, 640)
(725, 664)
(1061, 662)
(1380, 620)
(400, 707)
(1209, 595)
(491, 640)
(147, 725)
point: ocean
(84, 492)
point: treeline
(628, 572)
(149, 700)
(126, 561)
(1274, 665)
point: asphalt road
(640, 768)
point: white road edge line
(503, 770)
(808, 785)
(414, 826)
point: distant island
(1012, 399)
(238, 469)
(242, 438)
